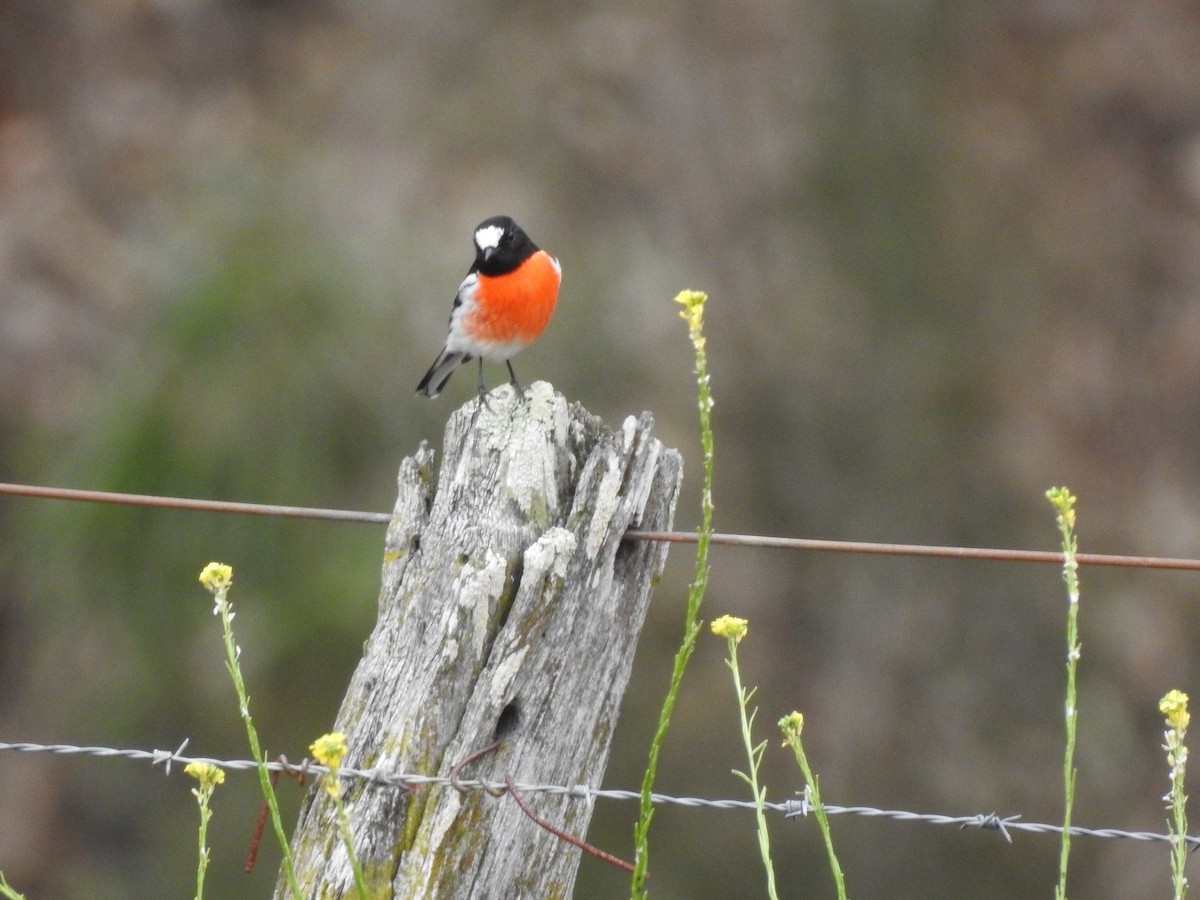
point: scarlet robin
(501, 307)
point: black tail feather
(439, 373)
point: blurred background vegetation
(953, 256)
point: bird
(502, 305)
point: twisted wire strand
(789, 809)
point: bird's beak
(487, 254)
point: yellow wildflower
(206, 773)
(791, 725)
(1174, 707)
(216, 576)
(730, 627)
(330, 749)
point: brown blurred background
(953, 251)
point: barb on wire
(987, 821)
(992, 821)
(788, 808)
(456, 769)
(166, 756)
(678, 537)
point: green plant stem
(360, 883)
(693, 314)
(1174, 707)
(232, 652)
(1179, 845)
(202, 860)
(1064, 502)
(754, 755)
(7, 891)
(646, 809)
(791, 730)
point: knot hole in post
(510, 718)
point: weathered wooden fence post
(510, 608)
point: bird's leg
(512, 379)
(483, 390)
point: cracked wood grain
(509, 608)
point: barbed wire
(1005, 825)
(679, 537)
(790, 809)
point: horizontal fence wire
(680, 537)
(1005, 825)
(791, 809)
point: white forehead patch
(489, 238)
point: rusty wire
(678, 537)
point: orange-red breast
(503, 304)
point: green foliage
(693, 313)
(209, 776)
(733, 630)
(329, 750)
(7, 890)
(1175, 707)
(791, 725)
(218, 578)
(1064, 503)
